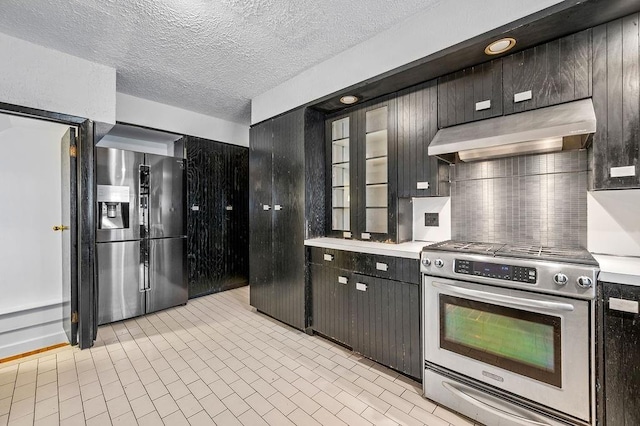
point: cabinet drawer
(331, 257)
(393, 268)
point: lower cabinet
(386, 322)
(377, 317)
(620, 356)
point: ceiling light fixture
(500, 46)
(349, 99)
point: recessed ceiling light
(500, 46)
(349, 99)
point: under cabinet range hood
(566, 126)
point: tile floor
(214, 361)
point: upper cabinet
(616, 99)
(545, 75)
(549, 74)
(419, 175)
(361, 157)
(471, 94)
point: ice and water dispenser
(113, 207)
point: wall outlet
(431, 219)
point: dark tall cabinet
(280, 199)
(217, 216)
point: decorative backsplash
(532, 199)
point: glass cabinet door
(376, 171)
(340, 189)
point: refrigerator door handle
(144, 267)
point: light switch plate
(431, 219)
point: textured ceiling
(203, 55)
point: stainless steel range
(509, 332)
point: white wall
(613, 222)
(42, 78)
(30, 252)
(132, 110)
(446, 24)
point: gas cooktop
(521, 251)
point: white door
(30, 251)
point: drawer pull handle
(382, 266)
(630, 306)
(361, 287)
(522, 96)
(328, 257)
(343, 280)
(365, 236)
(346, 234)
(481, 106)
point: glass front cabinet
(361, 154)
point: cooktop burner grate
(555, 254)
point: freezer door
(167, 274)
(118, 176)
(119, 281)
(166, 196)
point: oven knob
(560, 279)
(439, 263)
(426, 261)
(585, 282)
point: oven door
(533, 345)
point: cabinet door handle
(365, 236)
(277, 207)
(343, 280)
(522, 96)
(480, 106)
(630, 306)
(361, 287)
(382, 266)
(229, 208)
(266, 207)
(328, 257)
(346, 234)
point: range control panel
(496, 270)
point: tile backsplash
(532, 199)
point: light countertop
(409, 250)
(619, 269)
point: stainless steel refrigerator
(141, 235)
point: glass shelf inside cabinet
(376, 171)
(340, 189)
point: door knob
(60, 228)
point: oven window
(526, 343)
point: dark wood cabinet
(549, 74)
(616, 100)
(419, 175)
(280, 199)
(470, 94)
(370, 303)
(620, 352)
(362, 170)
(386, 322)
(217, 216)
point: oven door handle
(490, 408)
(511, 300)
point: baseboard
(34, 352)
(33, 328)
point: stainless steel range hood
(566, 126)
